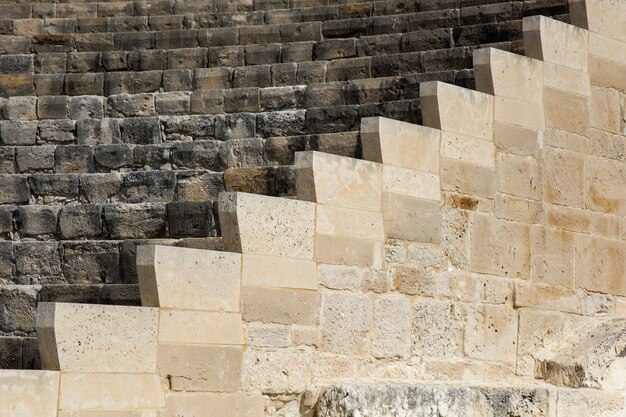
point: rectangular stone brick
(20, 387)
(280, 306)
(519, 113)
(412, 183)
(233, 405)
(410, 218)
(181, 326)
(601, 264)
(279, 272)
(566, 111)
(337, 221)
(340, 250)
(455, 146)
(491, 333)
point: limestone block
(267, 225)
(345, 321)
(212, 279)
(201, 368)
(466, 148)
(339, 221)
(466, 178)
(410, 218)
(342, 277)
(218, 405)
(518, 113)
(565, 111)
(437, 329)
(339, 250)
(268, 335)
(567, 218)
(589, 402)
(601, 264)
(277, 371)
(553, 41)
(605, 186)
(339, 181)
(391, 336)
(547, 297)
(200, 327)
(281, 306)
(401, 144)
(505, 74)
(281, 272)
(553, 253)
(491, 333)
(410, 182)
(109, 413)
(28, 393)
(566, 79)
(516, 140)
(105, 391)
(305, 336)
(518, 209)
(520, 176)
(331, 367)
(97, 338)
(605, 109)
(499, 247)
(606, 61)
(566, 140)
(564, 177)
(455, 109)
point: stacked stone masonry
(477, 261)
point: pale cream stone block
(547, 297)
(201, 368)
(212, 279)
(28, 393)
(467, 370)
(607, 48)
(110, 413)
(330, 367)
(554, 254)
(344, 277)
(607, 145)
(410, 218)
(339, 250)
(605, 109)
(402, 144)
(566, 79)
(277, 371)
(268, 335)
(345, 322)
(410, 182)
(519, 113)
(564, 111)
(568, 218)
(466, 148)
(499, 247)
(215, 405)
(491, 333)
(281, 306)
(589, 402)
(305, 336)
(281, 272)
(505, 74)
(456, 109)
(557, 42)
(337, 180)
(605, 72)
(339, 221)
(564, 177)
(520, 176)
(518, 209)
(517, 140)
(391, 336)
(97, 338)
(567, 140)
(601, 264)
(437, 329)
(605, 186)
(601, 16)
(200, 327)
(100, 391)
(267, 225)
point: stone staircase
(479, 258)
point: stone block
(519, 113)
(18, 304)
(566, 79)
(437, 329)
(70, 159)
(201, 368)
(178, 102)
(340, 250)
(338, 221)
(409, 182)
(491, 333)
(547, 297)
(564, 178)
(92, 262)
(262, 370)
(103, 391)
(135, 221)
(212, 78)
(39, 158)
(233, 405)
(13, 85)
(520, 176)
(92, 338)
(80, 221)
(459, 147)
(505, 74)
(499, 247)
(226, 56)
(280, 306)
(37, 221)
(601, 264)
(268, 335)
(14, 189)
(191, 219)
(605, 186)
(458, 110)
(345, 321)
(20, 387)
(392, 337)
(53, 107)
(410, 218)
(140, 130)
(278, 272)
(20, 108)
(267, 225)
(213, 278)
(181, 326)
(553, 41)
(339, 181)
(400, 144)
(564, 111)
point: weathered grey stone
(101, 188)
(78, 158)
(241, 100)
(91, 262)
(285, 123)
(140, 130)
(178, 102)
(152, 156)
(178, 80)
(38, 262)
(191, 219)
(37, 221)
(199, 186)
(84, 84)
(18, 305)
(11, 352)
(50, 186)
(135, 221)
(98, 131)
(18, 133)
(242, 152)
(49, 84)
(413, 400)
(135, 105)
(86, 107)
(212, 78)
(203, 154)
(16, 64)
(80, 221)
(189, 58)
(20, 108)
(150, 186)
(188, 128)
(57, 131)
(52, 107)
(6, 222)
(14, 189)
(235, 126)
(34, 158)
(112, 157)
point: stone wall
(480, 259)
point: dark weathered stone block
(135, 221)
(191, 219)
(91, 262)
(150, 186)
(140, 130)
(76, 158)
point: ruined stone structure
(208, 209)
